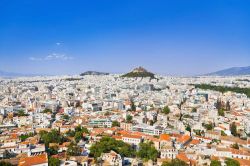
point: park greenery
(215, 163)
(188, 128)
(224, 89)
(235, 146)
(147, 151)
(54, 161)
(115, 124)
(133, 107)
(21, 113)
(221, 112)
(53, 136)
(53, 150)
(73, 150)
(208, 126)
(199, 132)
(3, 163)
(233, 129)
(106, 144)
(223, 133)
(232, 162)
(47, 111)
(129, 118)
(77, 133)
(23, 137)
(166, 110)
(194, 110)
(65, 117)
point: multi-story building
(126, 126)
(150, 130)
(169, 152)
(100, 123)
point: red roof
(33, 160)
(165, 137)
(184, 138)
(183, 157)
(131, 136)
(195, 142)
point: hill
(139, 72)
(93, 73)
(234, 71)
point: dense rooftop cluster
(114, 120)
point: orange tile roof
(122, 132)
(183, 157)
(243, 162)
(153, 139)
(240, 152)
(176, 135)
(184, 138)
(140, 133)
(195, 142)
(98, 130)
(24, 143)
(215, 158)
(117, 137)
(132, 136)
(165, 137)
(14, 136)
(33, 160)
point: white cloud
(58, 43)
(34, 59)
(53, 56)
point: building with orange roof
(183, 157)
(243, 162)
(63, 147)
(140, 133)
(232, 153)
(132, 139)
(110, 131)
(240, 154)
(213, 134)
(165, 140)
(194, 142)
(182, 141)
(165, 137)
(155, 140)
(122, 132)
(229, 140)
(14, 136)
(203, 139)
(39, 160)
(117, 137)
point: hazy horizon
(166, 37)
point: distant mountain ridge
(12, 74)
(139, 72)
(93, 73)
(233, 71)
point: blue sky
(175, 37)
